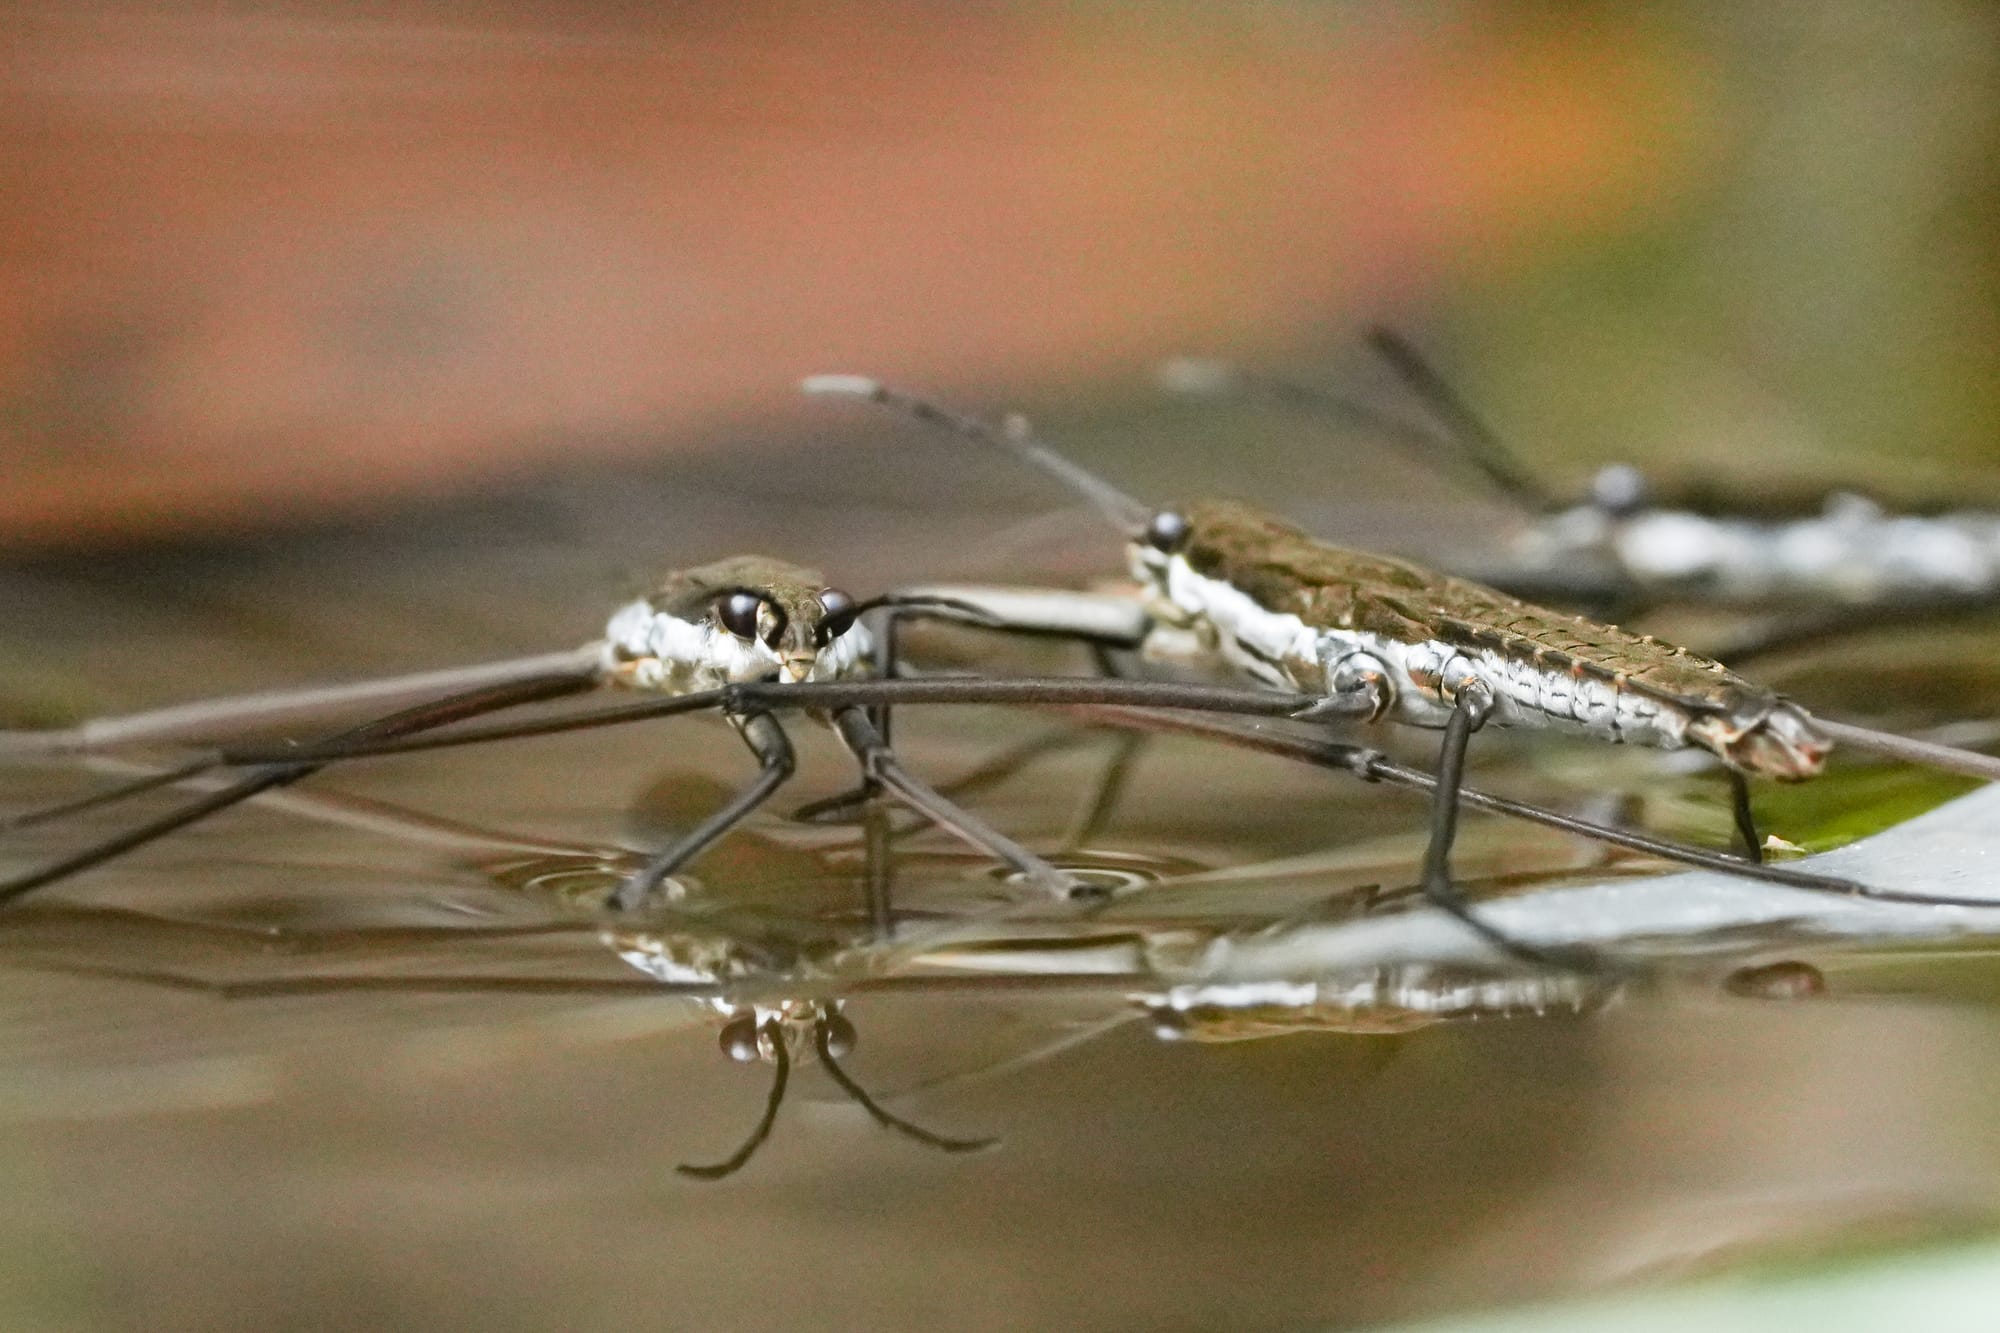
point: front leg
(776, 762)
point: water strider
(1825, 557)
(739, 620)
(1141, 705)
(1372, 638)
(749, 637)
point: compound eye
(1167, 531)
(840, 1036)
(839, 611)
(738, 612)
(738, 1039)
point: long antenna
(1124, 511)
(822, 1043)
(779, 1078)
(1479, 442)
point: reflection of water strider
(1375, 638)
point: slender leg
(112, 795)
(1094, 812)
(1478, 442)
(1437, 884)
(767, 740)
(1373, 766)
(1746, 819)
(234, 794)
(1109, 789)
(887, 664)
(471, 703)
(1117, 774)
(884, 662)
(881, 881)
(876, 759)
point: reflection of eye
(1167, 532)
(840, 612)
(738, 1039)
(840, 1036)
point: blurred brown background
(343, 339)
(262, 264)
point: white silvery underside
(651, 650)
(1852, 551)
(676, 961)
(1424, 679)
(1416, 991)
(692, 961)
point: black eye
(840, 1035)
(839, 609)
(738, 613)
(738, 1039)
(1167, 532)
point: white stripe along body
(680, 638)
(1295, 613)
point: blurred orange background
(264, 266)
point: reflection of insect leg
(771, 1034)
